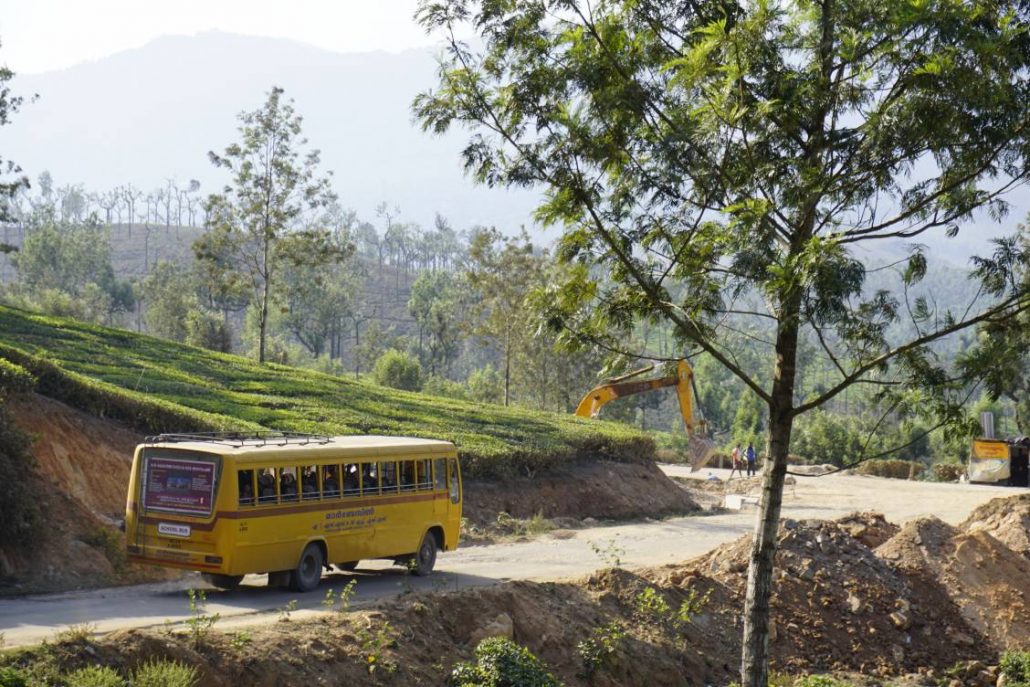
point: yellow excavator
(700, 447)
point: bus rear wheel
(226, 582)
(308, 572)
(425, 558)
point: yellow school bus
(290, 504)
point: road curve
(32, 619)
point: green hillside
(161, 386)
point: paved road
(32, 619)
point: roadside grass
(156, 385)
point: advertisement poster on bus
(180, 486)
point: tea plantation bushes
(156, 386)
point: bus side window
(351, 485)
(246, 483)
(452, 480)
(441, 474)
(425, 474)
(309, 482)
(369, 479)
(288, 484)
(388, 476)
(330, 482)
(266, 487)
(407, 474)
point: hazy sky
(41, 35)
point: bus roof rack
(269, 438)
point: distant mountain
(153, 113)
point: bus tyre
(226, 582)
(425, 558)
(308, 572)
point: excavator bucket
(700, 450)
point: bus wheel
(308, 572)
(226, 582)
(349, 566)
(425, 559)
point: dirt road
(561, 554)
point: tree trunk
(507, 365)
(263, 321)
(755, 654)
(357, 344)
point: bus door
(441, 500)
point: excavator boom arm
(701, 448)
(597, 397)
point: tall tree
(502, 272)
(436, 304)
(11, 178)
(273, 189)
(748, 148)
(1001, 357)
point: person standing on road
(750, 459)
(738, 463)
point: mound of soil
(600, 490)
(837, 606)
(418, 640)
(980, 576)
(872, 529)
(1007, 519)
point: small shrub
(1015, 666)
(374, 646)
(652, 606)
(164, 674)
(74, 634)
(15, 378)
(398, 370)
(600, 648)
(435, 385)
(895, 469)
(948, 472)
(240, 639)
(13, 677)
(691, 607)
(199, 623)
(611, 553)
(95, 676)
(501, 662)
(821, 681)
(285, 611)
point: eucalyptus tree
(718, 150)
(11, 178)
(262, 212)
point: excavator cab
(700, 447)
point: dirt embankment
(82, 467)
(83, 463)
(603, 490)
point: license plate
(173, 530)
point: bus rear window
(179, 482)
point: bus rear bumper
(173, 558)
